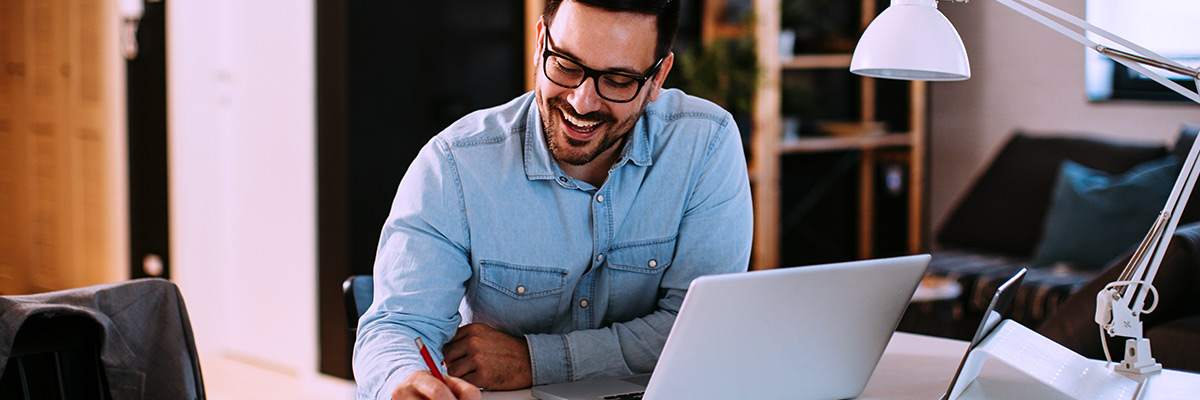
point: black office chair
(357, 292)
(55, 356)
(129, 339)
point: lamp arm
(1120, 304)
(1128, 293)
(1176, 203)
(1141, 270)
(1038, 11)
(1182, 70)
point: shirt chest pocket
(518, 298)
(522, 282)
(650, 257)
(635, 274)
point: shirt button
(599, 257)
(600, 198)
(652, 263)
(583, 303)
(562, 179)
(520, 289)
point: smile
(578, 124)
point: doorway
(390, 76)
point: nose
(584, 98)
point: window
(1166, 27)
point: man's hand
(421, 385)
(489, 358)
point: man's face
(580, 125)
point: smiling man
(553, 238)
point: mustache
(566, 107)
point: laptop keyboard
(626, 396)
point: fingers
(462, 389)
(471, 329)
(461, 366)
(488, 358)
(421, 385)
(455, 350)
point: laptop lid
(795, 333)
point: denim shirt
(486, 227)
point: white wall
(1028, 76)
(243, 180)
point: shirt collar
(540, 165)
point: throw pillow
(1094, 216)
(1004, 210)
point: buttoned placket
(584, 299)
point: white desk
(920, 367)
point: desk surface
(920, 367)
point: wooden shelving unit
(768, 145)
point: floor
(231, 378)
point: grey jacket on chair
(148, 350)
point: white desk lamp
(911, 40)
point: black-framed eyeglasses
(617, 87)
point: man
(565, 226)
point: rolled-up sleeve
(421, 269)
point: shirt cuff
(549, 358)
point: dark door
(390, 76)
(146, 86)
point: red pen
(433, 369)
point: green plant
(725, 73)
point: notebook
(813, 332)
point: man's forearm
(619, 349)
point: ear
(537, 47)
(661, 75)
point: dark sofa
(1174, 326)
(996, 229)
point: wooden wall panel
(58, 145)
(14, 176)
(51, 157)
(91, 179)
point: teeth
(579, 122)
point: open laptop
(812, 332)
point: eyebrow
(574, 58)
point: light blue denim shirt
(486, 223)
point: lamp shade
(911, 40)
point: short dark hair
(666, 13)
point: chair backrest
(130, 339)
(357, 292)
(55, 356)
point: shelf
(824, 144)
(848, 98)
(812, 61)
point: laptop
(813, 332)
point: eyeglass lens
(610, 86)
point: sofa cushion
(1072, 325)
(979, 273)
(1176, 343)
(1004, 210)
(1183, 144)
(1094, 216)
